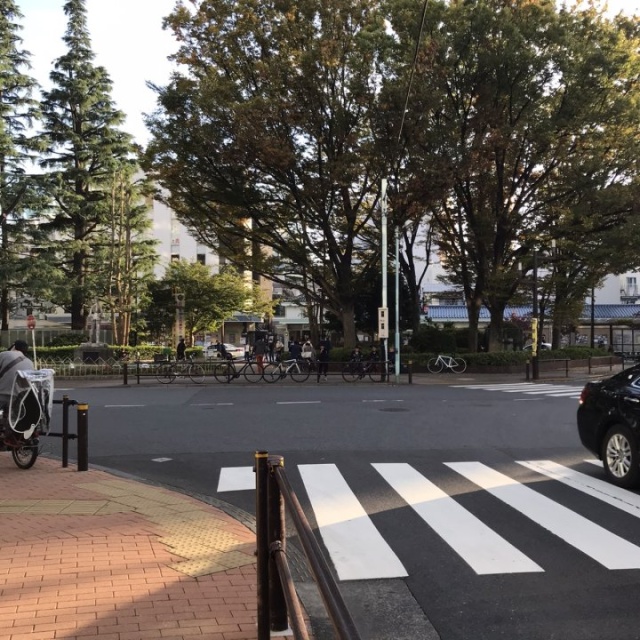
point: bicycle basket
(31, 401)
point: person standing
(272, 349)
(260, 349)
(181, 350)
(308, 352)
(323, 363)
(295, 351)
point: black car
(609, 424)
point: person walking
(323, 363)
(272, 350)
(295, 350)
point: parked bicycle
(448, 363)
(358, 370)
(298, 370)
(167, 372)
(227, 371)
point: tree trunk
(349, 326)
(473, 311)
(496, 342)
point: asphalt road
(431, 501)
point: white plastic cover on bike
(31, 401)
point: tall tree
(17, 190)
(264, 144)
(84, 150)
(522, 113)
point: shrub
(433, 339)
(69, 339)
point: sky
(128, 40)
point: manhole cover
(394, 410)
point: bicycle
(358, 370)
(168, 371)
(227, 371)
(299, 370)
(439, 364)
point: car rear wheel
(620, 457)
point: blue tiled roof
(601, 312)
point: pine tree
(85, 149)
(17, 111)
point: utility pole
(383, 311)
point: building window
(279, 311)
(175, 257)
(201, 258)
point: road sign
(31, 322)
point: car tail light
(584, 394)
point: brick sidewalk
(86, 554)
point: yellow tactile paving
(206, 542)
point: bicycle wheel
(196, 373)
(374, 372)
(252, 372)
(351, 371)
(272, 373)
(166, 374)
(300, 371)
(26, 455)
(223, 372)
(435, 365)
(458, 365)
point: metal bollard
(277, 533)
(262, 541)
(83, 437)
(410, 371)
(65, 431)
(125, 371)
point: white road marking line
(300, 402)
(357, 549)
(479, 546)
(605, 491)
(124, 405)
(212, 404)
(236, 479)
(161, 459)
(604, 547)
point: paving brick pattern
(86, 554)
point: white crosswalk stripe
(360, 552)
(528, 388)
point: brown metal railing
(278, 602)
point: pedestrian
(279, 350)
(181, 350)
(272, 350)
(12, 360)
(308, 352)
(295, 350)
(260, 348)
(323, 363)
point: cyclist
(373, 355)
(356, 355)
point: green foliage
(72, 338)
(84, 148)
(431, 338)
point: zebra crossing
(528, 388)
(359, 551)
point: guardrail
(278, 602)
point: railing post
(409, 370)
(126, 373)
(262, 543)
(277, 533)
(566, 368)
(65, 431)
(589, 365)
(526, 371)
(83, 437)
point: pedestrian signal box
(383, 322)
